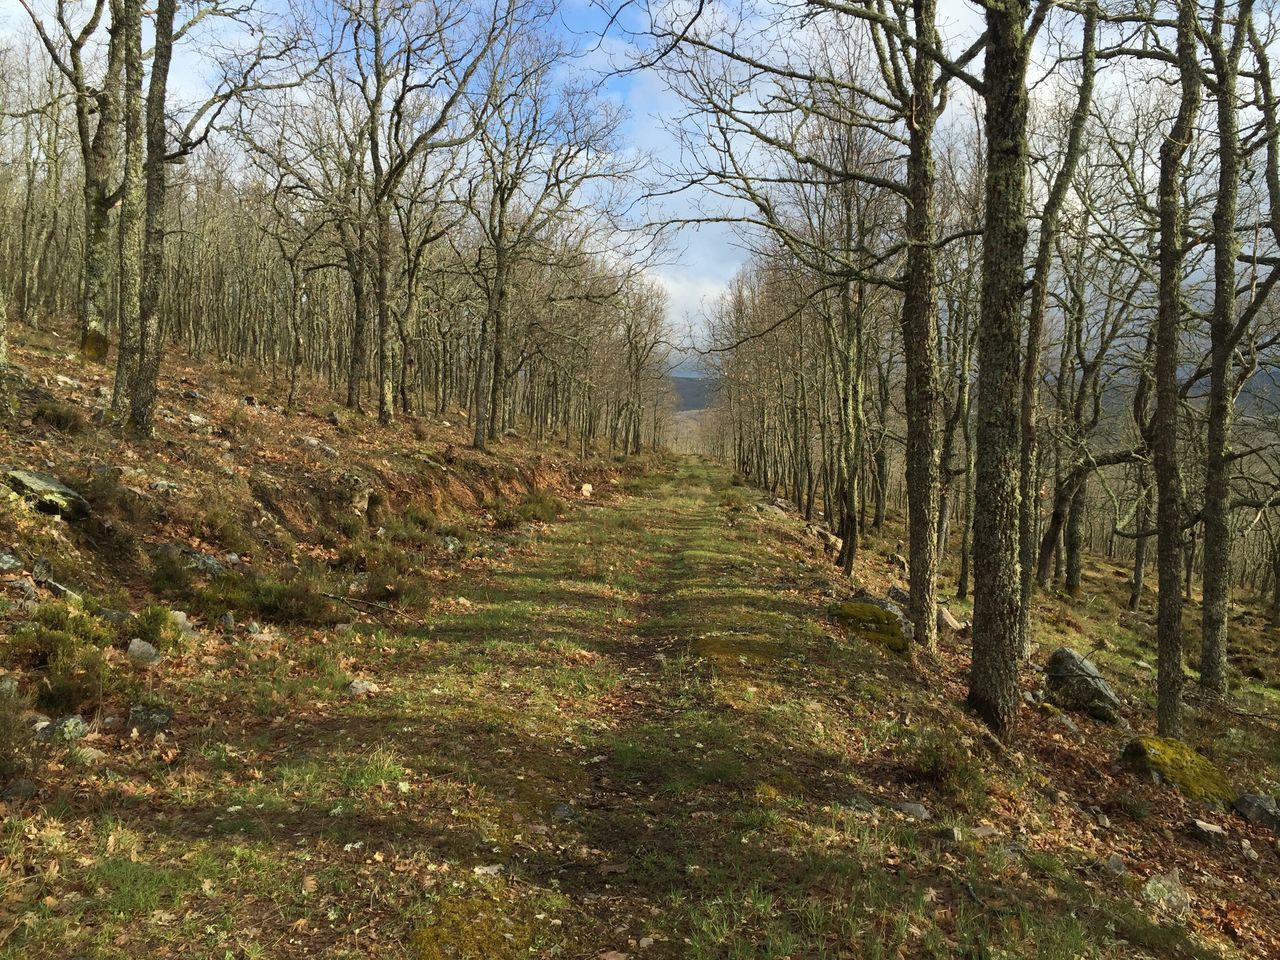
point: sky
(701, 260)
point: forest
(371, 465)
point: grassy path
(632, 736)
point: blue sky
(702, 259)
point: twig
(352, 601)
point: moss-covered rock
(49, 494)
(875, 621)
(1193, 774)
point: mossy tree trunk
(997, 641)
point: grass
(639, 728)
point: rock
(48, 494)
(1165, 891)
(1067, 722)
(899, 561)
(361, 688)
(189, 558)
(227, 621)
(182, 623)
(254, 627)
(899, 596)
(1246, 848)
(881, 622)
(586, 490)
(9, 563)
(772, 508)
(1115, 866)
(148, 718)
(985, 832)
(1074, 683)
(1174, 761)
(916, 811)
(195, 420)
(142, 653)
(309, 443)
(947, 623)
(1104, 821)
(334, 419)
(25, 586)
(1260, 810)
(19, 790)
(63, 730)
(1208, 832)
(192, 394)
(1143, 665)
(451, 545)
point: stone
(1175, 762)
(1166, 892)
(899, 596)
(9, 563)
(1260, 810)
(361, 688)
(196, 420)
(183, 624)
(985, 832)
(916, 811)
(1246, 848)
(254, 627)
(227, 621)
(881, 622)
(1208, 832)
(63, 730)
(1074, 683)
(48, 494)
(1115, 865)
(451, 545)
(149, 718)
(1143, 665)
(309, 443)
(189, 558)
(141, 652)
(586, 490)
(19, 789)
(947, 623)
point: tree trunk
(997, 649)
(1169, 510)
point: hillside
(692, 392)
(421, 702)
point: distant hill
(692, 393)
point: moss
(874, 624)
(732, 647)
(476, 928)
(1191, 773)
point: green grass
(638, 725)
